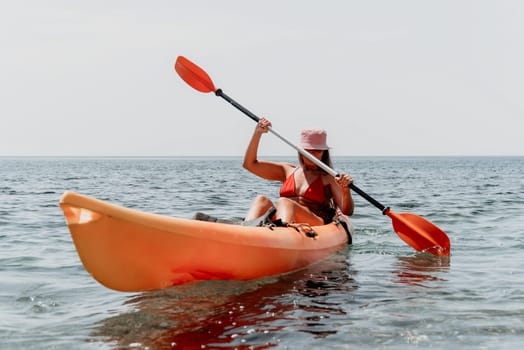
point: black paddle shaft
(244, 110)
(370, 199)
(237, 105)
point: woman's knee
(263, 201)
(284, 202)
(259, 206)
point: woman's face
(308, 164)
(317, 153)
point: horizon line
(276, 156)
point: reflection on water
(421, 268)
(233, 314)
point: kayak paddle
(416, 231)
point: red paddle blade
(420, 233)
(194, 75)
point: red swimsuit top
(315, 191)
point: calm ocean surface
(376, 294)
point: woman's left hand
(344, 180)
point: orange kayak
(129, 250)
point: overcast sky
(96, 78)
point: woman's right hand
(263, 126)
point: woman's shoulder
(276, 170)
(328, 179)
(289, 168)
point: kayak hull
(130, 250)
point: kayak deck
(130, 250)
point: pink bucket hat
(313, 139)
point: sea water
(376, 294)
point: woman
(308, 194)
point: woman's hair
(326, 158)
